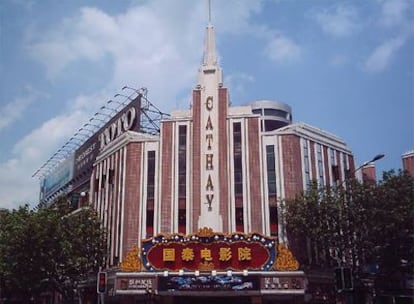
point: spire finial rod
(209, 11)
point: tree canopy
(365, 226)
(49, 248)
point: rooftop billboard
(57, 179)
(128, 119)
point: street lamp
(374, 159)
(370, 174)
(352, 174)
(344, 272)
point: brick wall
(369, 174)
(223, 159)
(408, 163)
(196, 182)
(132, 204)
(326, 165)
(292, 165)
(255, 175)
(166, 176)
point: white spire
(210, 56)
(210, 62)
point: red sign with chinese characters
(216, 251)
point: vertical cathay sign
(209, 154)
(210, 212)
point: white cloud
(154, 45)
(144, 46)
(237, 82)
(394, 16)
(383, 55)
(14, 110)
(18, 187)
(338, 21)
(235, 16)
(282, 49)
(339, 60)
(394, 11)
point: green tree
(355, 224)
(19, 254)
(51, 248)
(393, 228)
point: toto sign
(208, 250)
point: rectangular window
(103, 181)
(182, 160)
(150, 223)
(273, 220)
(150, 192)
(320, 164)
(238, 176)
(334, 167)
(271, 170)
(181, 221)
(237, 156)
(239, 219)
(306, 160)
(151, 175)
(271, 186)
(182, 177)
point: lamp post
(373, 160)
(345, 275)
(353, 173)
(368, 172)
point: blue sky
(344, 66)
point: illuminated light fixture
(181, 272)
(166, 273)
(245, 272)
(213, 273)
(197, 273)
(229, 273)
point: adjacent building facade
(408, 162)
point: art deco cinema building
(216, 175)
(195, 212)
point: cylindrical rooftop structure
(274, 114)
